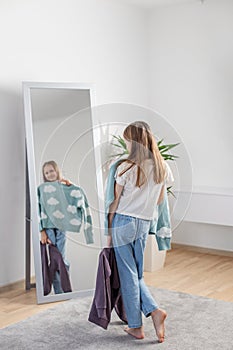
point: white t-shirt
(141, 201)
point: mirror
(59, 127)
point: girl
(50, 235)
(139, 188)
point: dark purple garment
(49, 270)
(107, 292)
(45, 269)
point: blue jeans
(129, 236)
(58, 238)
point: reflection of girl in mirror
(140, 181)
(51, 173)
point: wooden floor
(195, 273)
(185, 271)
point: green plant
(164, 150)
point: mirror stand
(59, 126)
(28, 284)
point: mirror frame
(27, 86)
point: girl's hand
(109, 241)
(44, 238)
(66, 182)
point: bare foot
(137, 333)
(158, 317)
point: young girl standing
(51, 173)
(139, 188)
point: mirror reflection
(67, 236)
(63, 207)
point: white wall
(191, 71)
(187, 76)
(101, 42)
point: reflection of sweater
(65, 208)
(107, 293)
(49, 269)
(160, 226)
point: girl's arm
(112, 209)
(161, 196)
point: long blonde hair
(55, 167)
(143, 146)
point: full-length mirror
(63, 189)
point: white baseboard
(209, 205)
(204, 236)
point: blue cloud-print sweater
(64, 207)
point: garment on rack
(107, 292)
(64, 207)
(160, 226)
(49, 269)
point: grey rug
(193, 323)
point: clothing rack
(28, 284)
